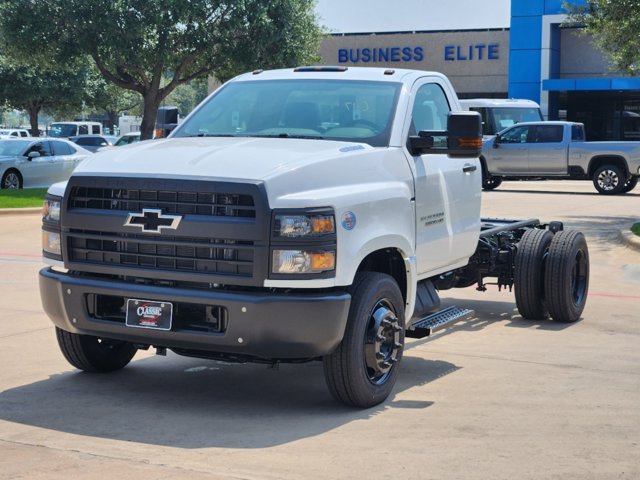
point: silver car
(38, 162)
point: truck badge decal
(152, 220)
(348, 220)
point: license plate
(149, 314)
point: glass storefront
(608, 115)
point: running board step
(437, 321)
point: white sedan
(38, 162)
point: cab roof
(393, 75)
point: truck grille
(227, 257)
(222, 236)
(195, 203)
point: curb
(21, 211)
(630, 239)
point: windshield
(357, 111)
(63, 130)
(508, 116)
(12, 148)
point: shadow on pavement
(191, 403)
(555, 192)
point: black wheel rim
(579, 277)
(382, 343)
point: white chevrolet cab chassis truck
(295, 215)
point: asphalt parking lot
(493, 398)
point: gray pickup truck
(558, 150)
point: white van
(72, 129)
(14, 133)
(500, 113)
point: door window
(95, 129)
(42, 148)
(61, 148)
(548, 134)
(430, 109)
(83, 130)
(515, 135)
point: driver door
(39, 171)
(447, 190)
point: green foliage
(187, 96)
(28, 197)
(134, 42)
(636, 229)
(615, 26)
(31, 87)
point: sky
(358, 16)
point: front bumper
(263, 325)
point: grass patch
(28, 197)
(636, 229)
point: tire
(529, 274)
(93, 354)
(608, 180)
(629, 185)
(566, 278)
(362, 371)
(11, 179)
(489, 182)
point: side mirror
(463, 137)
(496, 141)
(33, 155)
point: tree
(135, 42)
(30, 87)
(615, 25)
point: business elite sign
(406, 54)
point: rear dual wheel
(566, 280)
(551, 275)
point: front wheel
(94, 354)
(608, 180)
(362, 371)
(11, 179)
(490, 183)
(629, 185)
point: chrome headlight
(303, 243)
(303, 261)
(51, 233)
(303, 225)
(51, 210)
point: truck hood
(222, 158)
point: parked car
(127, 138)
(91, 142)
(38, 162)
(14, 133)
(558, 150)
(71, 129)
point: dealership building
(536, 58)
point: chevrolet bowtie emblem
(152, 220)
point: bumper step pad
(438, 321)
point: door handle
(469, 168)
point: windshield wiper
(288, 135)
(211, 135)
